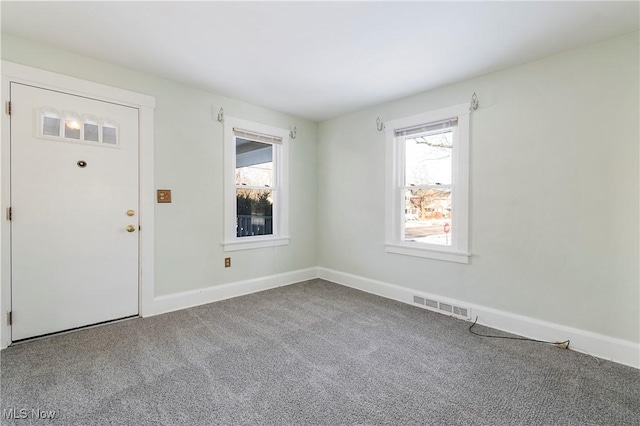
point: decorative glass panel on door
(109, 135)
(72, 128)
(91, 133)
(51, 126)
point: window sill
(412, 250)
(248, 243)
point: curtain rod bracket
(293, 133)
(474, 102)
(379, 124)
(221, 115)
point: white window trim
(459, 249)
(280, 208)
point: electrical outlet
(227, 262)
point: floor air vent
(442, 307)
(431, 303)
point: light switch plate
(164, 195)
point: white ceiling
(318, 59)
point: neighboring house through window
(256, 185)
(428, 184)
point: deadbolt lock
(131, 228)
(130, 212)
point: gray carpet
(310, 353)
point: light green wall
(554, 192)
(554, 187)
(188, 160)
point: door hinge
(9, 213)
(10, 318)
(9, 107)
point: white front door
(74, 201)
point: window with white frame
(256, 185)
(428, 185)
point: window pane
(254, 163)
(72, 129)
(91, 132)
(428, 216)
(429, 159)
(254, 212)
(51, 126)
(109, 135)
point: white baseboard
(188, 299)
(598, 345)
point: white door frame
(12, 72)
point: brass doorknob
(130, 212)
(131, 228)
